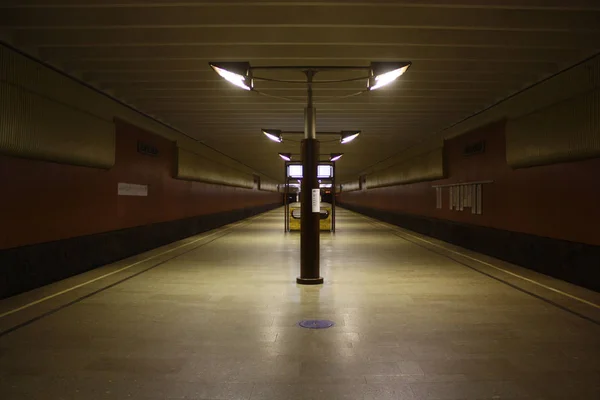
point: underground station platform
(220, 316)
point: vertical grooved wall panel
(568, 84)
(41, 80)
(350, 186)
(191, 166)
(35, 125)
(423, 167)
(269, 185)
(566, 131)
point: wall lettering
(147, 149)
(474, 148)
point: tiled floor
(220, 322)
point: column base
(309, 281)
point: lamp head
(238, 73)
(348, 136)
(286, 156)
(273, 134)
(335, 156)
(383, 73)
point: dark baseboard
(573, 262)
(29, 267)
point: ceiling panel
(466, 54)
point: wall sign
(466, 196)
(462, 195)
(438, 197)
(316, 200)
(147, 149)
(256, 182)
(132, 189)
(474, 148)
(324, 171)
(362, 182)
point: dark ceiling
(466, 54)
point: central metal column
(310, 198)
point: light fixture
(348, 136)
(383, 73)
(237, 73)
(273, 134)
(286, 156)
(335, 156)
(376, 75)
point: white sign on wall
(463, 195)
(316, 200)
(132, 189)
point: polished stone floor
(215, 317)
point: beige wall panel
(191, 166)
(268, 185)
(566, 131)
(424, 167)
(573, 82)
(35, 127)
(410, 153)
(350, 186)
(37, 78)
(525, 111)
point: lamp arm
(316, 68)
(302, 133)
(274, 96)
(327, 99)
(303, 82)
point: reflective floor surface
(215, 317)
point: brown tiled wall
(42, 201)
(560, 201)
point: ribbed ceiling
(466, 54)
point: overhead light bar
(384, 73)
(273, 134)
(348, 136)
(380, 74)
(335, 156)
(286, 156)
(237, 73)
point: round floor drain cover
(316, 323)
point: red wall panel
(560, 201)
(42, 201)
